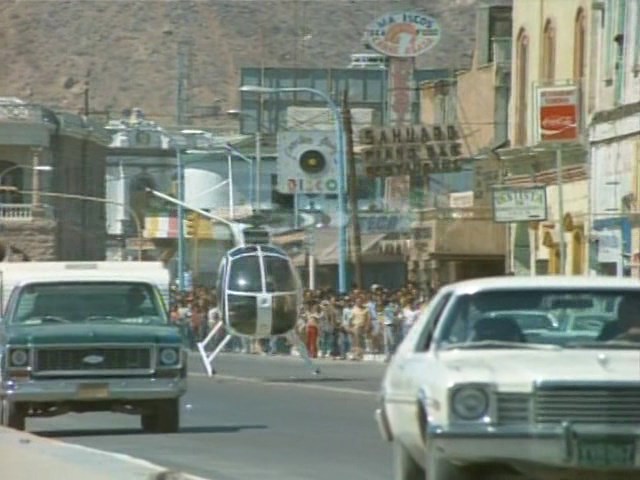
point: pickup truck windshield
(89, 302)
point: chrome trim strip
(383, 424)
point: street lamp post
(231, 150)
(134, 215)
(180, 219)
(340, 150)
(258, 153)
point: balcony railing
(16, 212)
(24, 212)
(501, 51)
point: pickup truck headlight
(18, 357)
(470, 403)
(169, 357)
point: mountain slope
(129, 48)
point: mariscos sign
(403, 34)
(558, 114)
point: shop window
(619, 49)
(522, 80)
(549, 52)
(579, 40)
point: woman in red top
(312, 329)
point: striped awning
(160, 227)
(167, 227)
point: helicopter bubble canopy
(260, 291)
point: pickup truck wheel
(404, 466)
(163, 418)
(148, 422)
(168, 416)
(10, 415)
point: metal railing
(16, 212)
(24, 212)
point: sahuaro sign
(403, 34)
(410, 150)
(519, 204)
(558, 114)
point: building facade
(457, 205)
(615, 139)
(52, 167)
(550, 59)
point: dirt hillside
(129, 48)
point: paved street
(262, 418)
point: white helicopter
(259, 296)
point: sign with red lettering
(558, 117)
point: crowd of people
(371, 321)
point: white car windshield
(543, 319)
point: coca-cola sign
(558, 119)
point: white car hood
(518, 370)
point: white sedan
(471, 394)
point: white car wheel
(404, 466)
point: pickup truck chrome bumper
(93, 389)
(550, 446)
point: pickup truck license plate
(607, 452)
(93, 390)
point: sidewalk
(24, 456)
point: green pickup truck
(89, 337)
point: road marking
(325, 388)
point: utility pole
(182, 96)
(356, 246)
(86, 93)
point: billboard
(411, 150)
(519, 204)
(307, 162)
(403, 34)
(558, 114)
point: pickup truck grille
(587, 404)
(513, 408)
(93, 360)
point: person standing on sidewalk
(312, 329)
(361, 327)
(390, 328)
(346, 326)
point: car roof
(543, 282)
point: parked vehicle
(89, 337)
